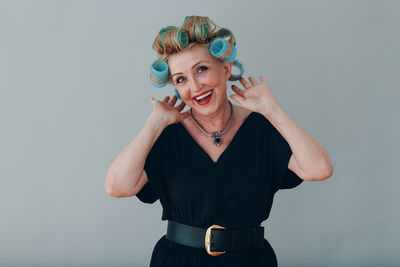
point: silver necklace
(217, 134)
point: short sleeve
(147, 194)
(284, 178)
(154, 167)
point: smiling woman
(216, 168)
(199, 76)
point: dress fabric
(236, 191)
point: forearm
(311, 157)
(126, 169)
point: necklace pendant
(217, 138)
(217, 141)
(217, 134)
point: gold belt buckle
(208, 240)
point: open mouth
(204, 98)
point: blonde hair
(200, 30)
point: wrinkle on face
(215, 77)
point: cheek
(219, 77)
(212, 79)
(184, 93)
(218, 81)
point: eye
(202, 68)
(179, 79)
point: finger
(237, 90)
(237, 98)
(173, 100)
(180, 106)
(262, 79)
(253, 81)
(244, 83)
(166, 98)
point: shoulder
(166, 134)
(241, 112)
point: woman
(216, 168)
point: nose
(196, 84)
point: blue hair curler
(183, 38)
(205, 28)
(158, 85)
(218, 47)
(239, 65)
(224, 33)
(177, 94)
(159, 73)
(164, 30)
(159, 69)
(232, 57)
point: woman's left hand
(256, 96)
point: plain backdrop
(75, 90)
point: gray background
(75, 91)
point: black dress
(235, 192)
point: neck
(216, 121)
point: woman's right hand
(167, 111)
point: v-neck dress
(235, 192)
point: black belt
(216, 240)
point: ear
(228, 69)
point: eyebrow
(192, 67)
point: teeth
(203, 96)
